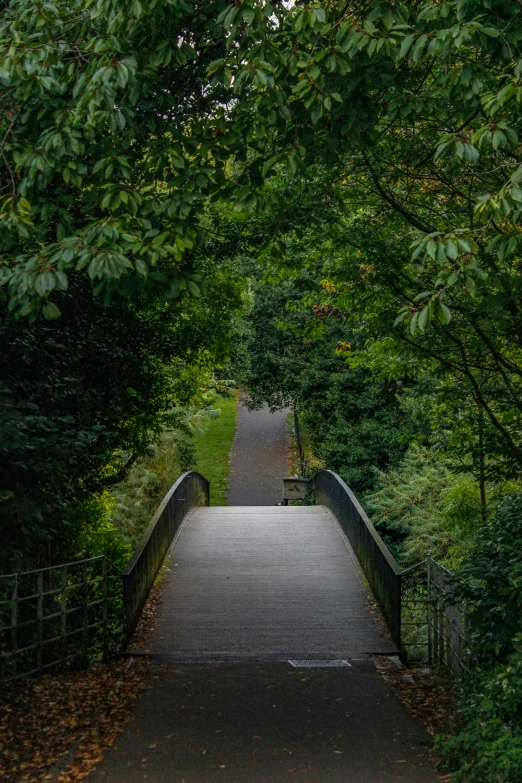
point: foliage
(84, 396)
(111, 140)
(489, 748)
(425, 508)
(212, 445)
(405, 116)
(493, 583)
(203, 443)
(355, 424)
(97, 533)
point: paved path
(268, 723)
(259, 458)
(265, 580)
(250, 587)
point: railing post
(39, 624)
(63, 617)
(85, 601)
(429, 617)
(105, 628)
(14, 625)
(398, 640)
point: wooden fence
(59, 617)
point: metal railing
(58, 617)
(434, 621)
(448, 640)
(426, 622)
(191, 489)
(380, 568)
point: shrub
(488, 749)
(422, 507)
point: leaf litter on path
(43, 721)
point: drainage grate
(321, 663)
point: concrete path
(259, 458)
(265, 580)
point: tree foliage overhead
(412, 113)
(110, 139)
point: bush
(422, 507)
(488, 749)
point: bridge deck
(265, 581)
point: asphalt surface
(268, 723)
(259, 459)
(248, 589)
(261, 580)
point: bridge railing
(380, 568)
(191, 489)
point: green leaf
(193, 288)
(423, 318)
(444, 313)
(50, 311)
(160, 238)
(141, 267)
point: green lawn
(213, 446)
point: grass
(313, 463)
(213, 445)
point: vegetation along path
(256, 601)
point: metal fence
(379, 565)
(58, 617)
(191, 489)
(434, 622)
(425, 620)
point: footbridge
(272, 627)
(266, 582)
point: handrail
(380, 567)
(191, 489)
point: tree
(111, 138)
(83, 396)
(413, 112)
(355, 424)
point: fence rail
(418, 603)
(191, 489)
(55, 617)
(446, 624)
(434, 627)
(379, 565)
